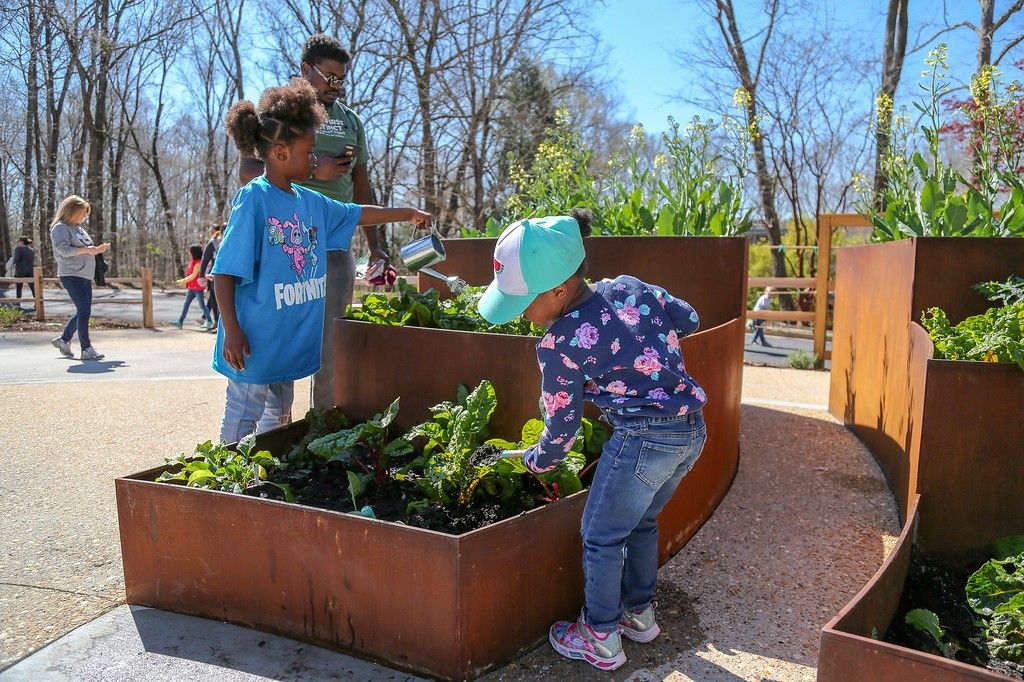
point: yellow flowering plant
(924, 195)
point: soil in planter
(326, 487)
(939, 588)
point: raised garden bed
(450, 606)
(949, 430)
(868, 640)
(426, 362)
(709, 272)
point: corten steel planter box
(709, 272)
(423, 364)
(449, 606)
(849, 653)
(947, 430)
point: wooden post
(824, 265)
(37, 275)
(147, 298)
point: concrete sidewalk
(807, 522)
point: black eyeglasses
(333, 81)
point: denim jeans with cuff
(639, 470)
(259, 407)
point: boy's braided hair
(283, 114)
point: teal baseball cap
(531, 256)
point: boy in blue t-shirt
(270, 273)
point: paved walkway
(807, 522)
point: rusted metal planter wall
(945, 430)
(425, 365)
(449, 606)
(709, 272)
(948, 435)
(849, 653)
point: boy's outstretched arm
(375, 215)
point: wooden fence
(821, 285)
(144, 282)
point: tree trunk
(31, 124)
(892, 67)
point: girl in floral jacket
(616, 344)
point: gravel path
(807, 521)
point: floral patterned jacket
(620, 350)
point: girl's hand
(421, 219)
(236, 347)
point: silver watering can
(418, 255)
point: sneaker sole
(596, 661)
(640, 636)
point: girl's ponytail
(584, 218)
(244, 127)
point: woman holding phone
(76, 267)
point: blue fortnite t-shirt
(276, 246)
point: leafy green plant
(319, 422)
(692, 187)
(217, 467)
(926, 621)
(997, 335)
(453, 433)
(927, 196)
(9, 315)
(366, 451)
(996, 592)
(801, 359)
(565, 478)
(426, 309)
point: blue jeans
(255, 407)
(80, 291)
(638, 473)
(197, 295)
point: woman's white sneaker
(63, 346)
(91, 353)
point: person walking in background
(341, 173)
(205, 267)
(76, 266)
(763, 303)
(195, 284)
(24, 264)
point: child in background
(270, 272)
(616, 344)
(195, 286)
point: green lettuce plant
(426, 309)
(365, 450)
(996, 593)
(997, 335)
(217, 467)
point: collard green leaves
(411, 308)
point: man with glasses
(341, 173)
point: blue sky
(642, 33)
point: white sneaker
(91, 353)
(63, 346)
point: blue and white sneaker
(579, 641)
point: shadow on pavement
(96, 366)
(197, 642)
